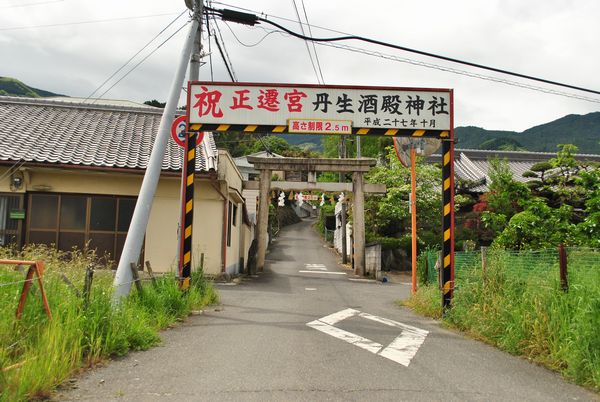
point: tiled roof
(473, 165)
(52, 131)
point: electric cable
(38, 3)
(229, 67)
(223, 50)
(253, 19)
(313, 43)
(212, 77)
(135, 55)
(140, 62)
(85, 22)
(387, 56)
(245, 44)
(229, 70)
(312, 62)
(460, 72)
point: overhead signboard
(311, 109)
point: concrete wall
(373, 260)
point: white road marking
(362, 280)
(401, 350)
(349, 337)
(310, 288)
(321, 272)
(334, 318)
(319, 267)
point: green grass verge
(37, 354)
(525, 313)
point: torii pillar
(263, 217)
(358, 226)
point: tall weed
(522, 309)
(36, 353)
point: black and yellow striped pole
(187, 211)
(447, 271)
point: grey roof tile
(53, 131)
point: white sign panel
(282, 105)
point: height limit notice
(313, 126)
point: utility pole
(141, 213)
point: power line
(447, 69)
(245, 44)
(229, 66)
(460, 72)
(140, 62)
(32, 4)
(86, 22)
(212, 77)
(312, 62)
(223, 51)
(253, 19)
(313, 43)
(229, 69)
(135, 55)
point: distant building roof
(105, 102)
(473, 164)
(242, 161)
(247, 168)
(70, 133)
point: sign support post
(447, 271)
(187, 212)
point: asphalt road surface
(359, 346)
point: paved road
(257, 346)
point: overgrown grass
(523, 310)
(36, 353)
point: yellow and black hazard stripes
(187, 211)
(385, 132)
(447, 272)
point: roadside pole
(413, 215)
(141, 213)
(188, 170)
(342, 177)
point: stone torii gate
(358, 167)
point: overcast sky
(553, 39)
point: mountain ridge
(580, 130)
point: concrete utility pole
(141, 213)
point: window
(11, 215)
(69, 220)
(235, 214)
(229, 224)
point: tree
(505, 193)
(271, 142)
(156, 103)
(390, 215)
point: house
(473, 165)
(70, 173)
